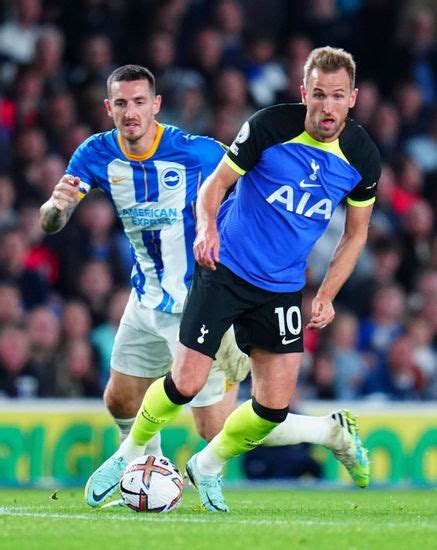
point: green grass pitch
(260, 518)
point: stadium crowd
(216, 62)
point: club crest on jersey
(242, 136)
(171, 178)
(301, 205)
(315, 168)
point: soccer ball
(151, 484)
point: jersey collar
(150, 152)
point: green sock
(243, 431)
(155, 413)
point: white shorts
(145, 343)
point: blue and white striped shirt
(154, 196)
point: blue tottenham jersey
(290, 185)
(154, 197)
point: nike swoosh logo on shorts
(304, 184)
(102, 495)
(285, 341)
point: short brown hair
(130, 73)
(329, 60)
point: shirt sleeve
(247, 147)
(210, 154)
(80, 166)
(364, 193)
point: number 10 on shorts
(292, 319)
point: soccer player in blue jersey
(151, 172)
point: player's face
(133, 107)
(328, 97)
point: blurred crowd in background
(216, 62)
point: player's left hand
(322, 313)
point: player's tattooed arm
(55, 213)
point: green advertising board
(63, 442)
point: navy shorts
(262, 319)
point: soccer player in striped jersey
(151, 172)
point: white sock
(129, 449)
(124, 426)
(298, 428)
(153, 447)
(207, 463)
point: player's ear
(108, 108)
(157, 104)
(303, 94)
(353, 98)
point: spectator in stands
(350, 367)
(231, 96)
(206, 54)
(189, 110)
(94, 286)
(8, 215)
(14, 248)
(386, 258)
(405, 379)
(265, 75)
(29, 148)
(367, 101)
(384, 324)
(160, 55)
(40, 257)
(18, 36)
(408, 185)
(75, 321)
(11, 310)
(25, 98)
(425, 357)
(43, 331)
(76, 375)
(47, 60)
(15, 380)
(415, 53)
(416, 242)
(423, 146)
(50, 170)
(297, 50)
(59, 116)
(228, 20)
(72, 139)
(102, 337)
(410, 105)
(322, 377)
(384, 128)
(96, 63)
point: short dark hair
(128, 73)
(329, 60)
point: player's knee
(118, 404)
(272, 415)
(208, 432)
(180, 391)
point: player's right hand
(206, 246)
(65, 192)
